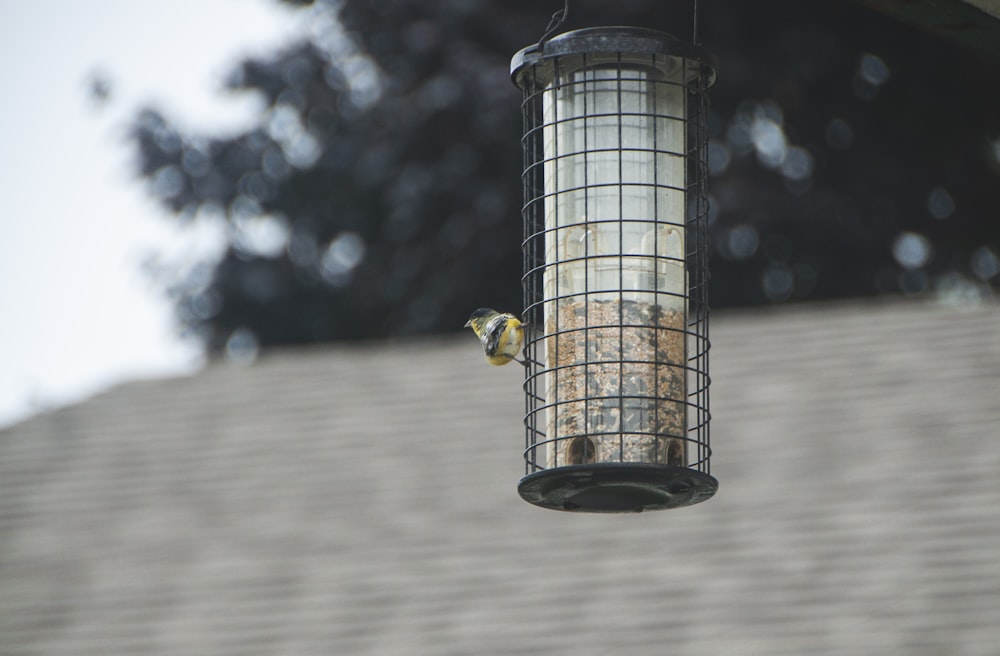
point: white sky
(76, 312)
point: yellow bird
(501, 333)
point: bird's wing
(494, 331)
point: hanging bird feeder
(615, 270)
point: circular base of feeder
(616, 487)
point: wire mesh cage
(615, 271)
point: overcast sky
(76, 312)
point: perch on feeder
(615, 270)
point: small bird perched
(502, 335)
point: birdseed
(616, 383)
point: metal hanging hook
(560, 17)
(555, 23)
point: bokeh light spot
(205, 304)
(778, 282)
(940, 203)
(872, 73)
(798, 164)
(167, 139)
(341, 257)
(364, 79)
(195, 162)
(244, 207)
(769, 141)
(873, 69)
(738, 136)
(303, 150)
(911, 250)
(839, 134)
(985, 263)
(718, 157)
(168, 182)
(256, 186)
(262, 235)
(283, 123)
(274, 164)
(242, 347)
(742, 241)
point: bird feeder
(615, 270)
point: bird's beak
(467, 323)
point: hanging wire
(694, 37)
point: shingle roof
(360, 499)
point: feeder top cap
(626, 40)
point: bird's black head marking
(480, 313)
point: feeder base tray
(614, 487)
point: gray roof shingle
(360, 499)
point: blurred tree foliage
(380, 192)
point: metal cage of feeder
(615, 270)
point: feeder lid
(626, 40)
